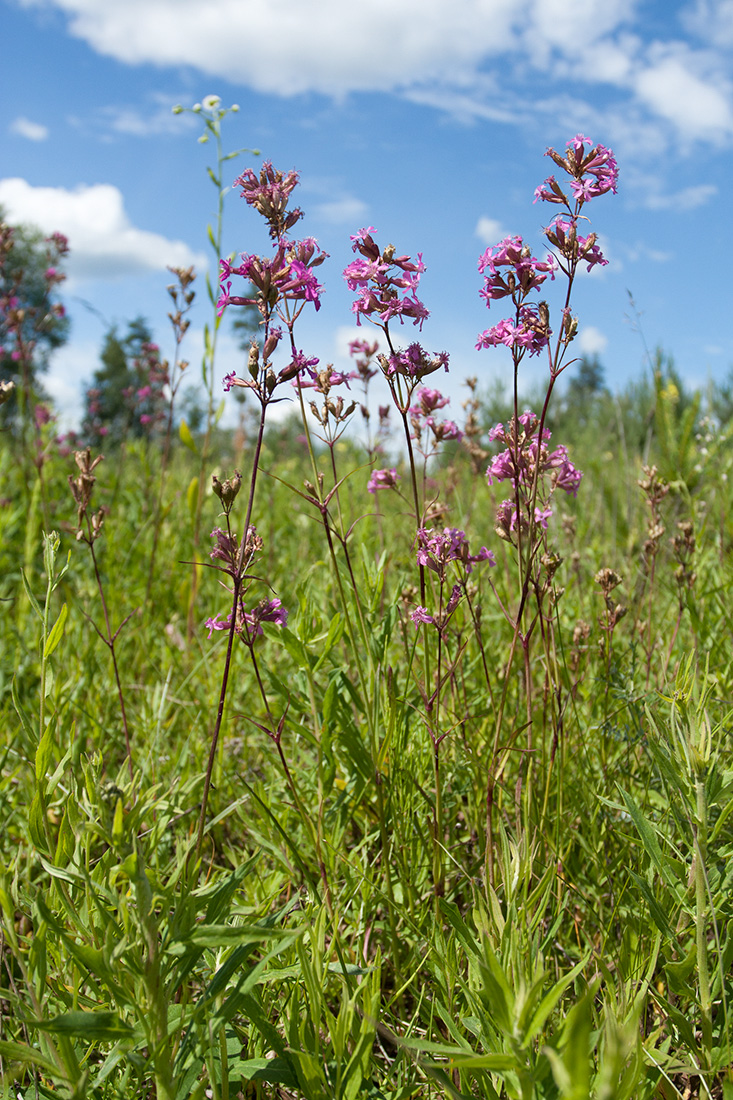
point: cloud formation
(475, 58)
(24, 127)
(104, 244)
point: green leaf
(21, 1052)
(56, 633)
(550, 1000)
(24, 719)
(276, 1071)
(226, 935)
(192, 496)
(36, 825)
(85, 1025)
(31, 597)
(186, 438)
(44, 752)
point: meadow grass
(457, 824)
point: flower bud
(253, 360)
(227, 490)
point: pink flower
(383, 292)
(435, 550)
(421, 615)
(428, 401)
(269, 194)
(41, 415)
(383, 479)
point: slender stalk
(230, 639)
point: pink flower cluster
(383, 479)
(526, 456)
(249, 623)
(592, 172)
(413, 362)
(386, 284)
(421, 615)
(421, 416)
(286, 276)
(511, 271)
(530, 333)
(435, 550)
(269, 193)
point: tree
(33, 322)
(126, 393)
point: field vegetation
(368, 757)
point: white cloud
(698, 107)
(475, 59)
(490, 231)
(71, 369)
(711, 20)
(269, 46)
(344, 211)
(103, 243)
(24, 127)
(591, 341)
(689, 198)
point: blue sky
(427, 119)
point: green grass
(355, 923)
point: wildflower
(428, 401)
(563, 234)
(413, 362)
(248, 624)
(269, 193)
(435, 550)
(421, 615)
(382, 292)
(526, 272)
(383, 479)
(593, 172)
(444, 429)
(531, 334)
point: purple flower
(413, 362)
(269, 194)
(421, 615)
(593, 172)
(527, 272)
(532, 334)
(444, 429)
(266, 611)
(435, 550)
(287, 275)
(383, 479)
(563, 234)
(382, 291)
(428, 401)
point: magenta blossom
(386, 284)
(592, 172)
(269, 193)
(286, 276)
(524, 272)
(413, 362)
(428, 401)
(532, 334)
(383, 479)
(249, 623)
(421, 615)
(563, 234)
(435, 550)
